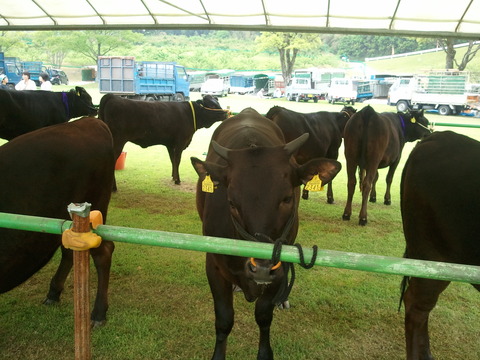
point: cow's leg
(263, 317)
(373, 191)
(58, 280)
(391, 171)
(223, 303)
(352, 182)
(366, 188)
(420, 298)
(175, 157)
(304, 194)
(330, 199)
(102, 258)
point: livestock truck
(13, 67)
(445, 91)
(145, 80)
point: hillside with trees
(208, 49)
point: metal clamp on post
(80, 241)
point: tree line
(213, 49)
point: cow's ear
(217, 173)
(326, 169)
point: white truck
(300, 89)
(215, 87)
(445, 91)
(348, 90)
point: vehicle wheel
(178, 97)
(315, 100)
(289, 97)
(402, 106)
(353, 102)
(444, 110)
(149, 98)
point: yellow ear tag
(207, 185)
(413, 120)
(315, 184)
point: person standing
(3, 82)
(26, 83)
(45, 83)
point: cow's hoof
(48, 301)
(284, 305)
(94, 324)
(330, 201)
(373, 200)
(177, 182)
(362, 222)
(387, 202)
(305, 196)
(346, 217)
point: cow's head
(262, 193)
(82, 104)
(210, 111)
(416, 125)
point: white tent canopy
(429, 18)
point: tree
(448, 47)
(93, 44)
(11, 40)
(288, 46)
(52, 46)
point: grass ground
(160, 304)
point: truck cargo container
(146, 80)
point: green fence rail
(329, 258)
(473, 126)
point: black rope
(302, 256)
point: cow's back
(372, 137)
(42, 172)
(440, 220)
(29, 110)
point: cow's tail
(403, 286)
(101, 110)
(367, 113)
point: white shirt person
(45, 83)
(26, 83)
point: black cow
(42, 172)
(255, 196)
(325, 129)
(148, 123)
(374, 141)
(439, 225)
(25, 111)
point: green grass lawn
(160, 303)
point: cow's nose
(262, 271)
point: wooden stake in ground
(81, 239)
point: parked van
(215, 87)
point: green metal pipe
(474, 126)
(329, 258)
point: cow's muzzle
(261, 271)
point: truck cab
(12, 67)
(400, 93)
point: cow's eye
(287, 200)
